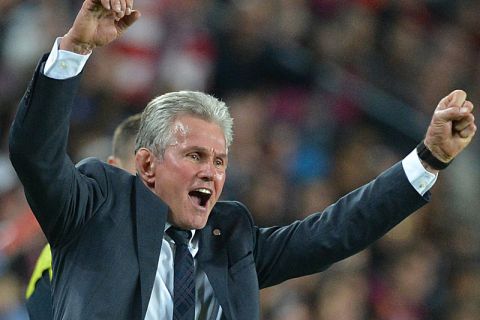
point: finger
(120, 9)
(123, 6)
(106, 4)
(467, 107)
(129, 5)
(454, 99)
(469, 131)
(464, 122)
(117, 7)
(447, 115)
(454, 113)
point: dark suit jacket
(39, 304)
(105, 227)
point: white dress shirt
(64, 64)
(160, 305)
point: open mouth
(201, 196)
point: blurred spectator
(343, 296)
(404, 287)
(10, 298)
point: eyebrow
(206, 150)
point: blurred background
(325, 95)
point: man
(117, 252)
(38, 295)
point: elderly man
(159, 245)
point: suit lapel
(150, 219)
(212, 258)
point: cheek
(171, 178)
(220, 181)
(178, 170)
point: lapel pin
(216, 232)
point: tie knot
(179, 236)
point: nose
(207, 172)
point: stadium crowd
(325, 95)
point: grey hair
(156, 132)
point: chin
(195, 222)
(199, 224)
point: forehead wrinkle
(179, 133)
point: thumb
(455, 99)
(454, 113)
(127, 21)
(447, 115)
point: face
(190, 176)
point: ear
(114, 161)
(145, 165)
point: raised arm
(365, 214)
(61, 196)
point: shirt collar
(168, 225)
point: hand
(98, 23)
(452, 127)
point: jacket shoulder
(233, 209)
(97, 169)
(233, 215)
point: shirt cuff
(62, 64)
(421, 179)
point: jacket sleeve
(61, 198)
(341, 230)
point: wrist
(68, 44)
(429, 168)
(429, 161)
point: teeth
(202, 190)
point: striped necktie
(184, 281)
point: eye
(194, 156)
(219, 163)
